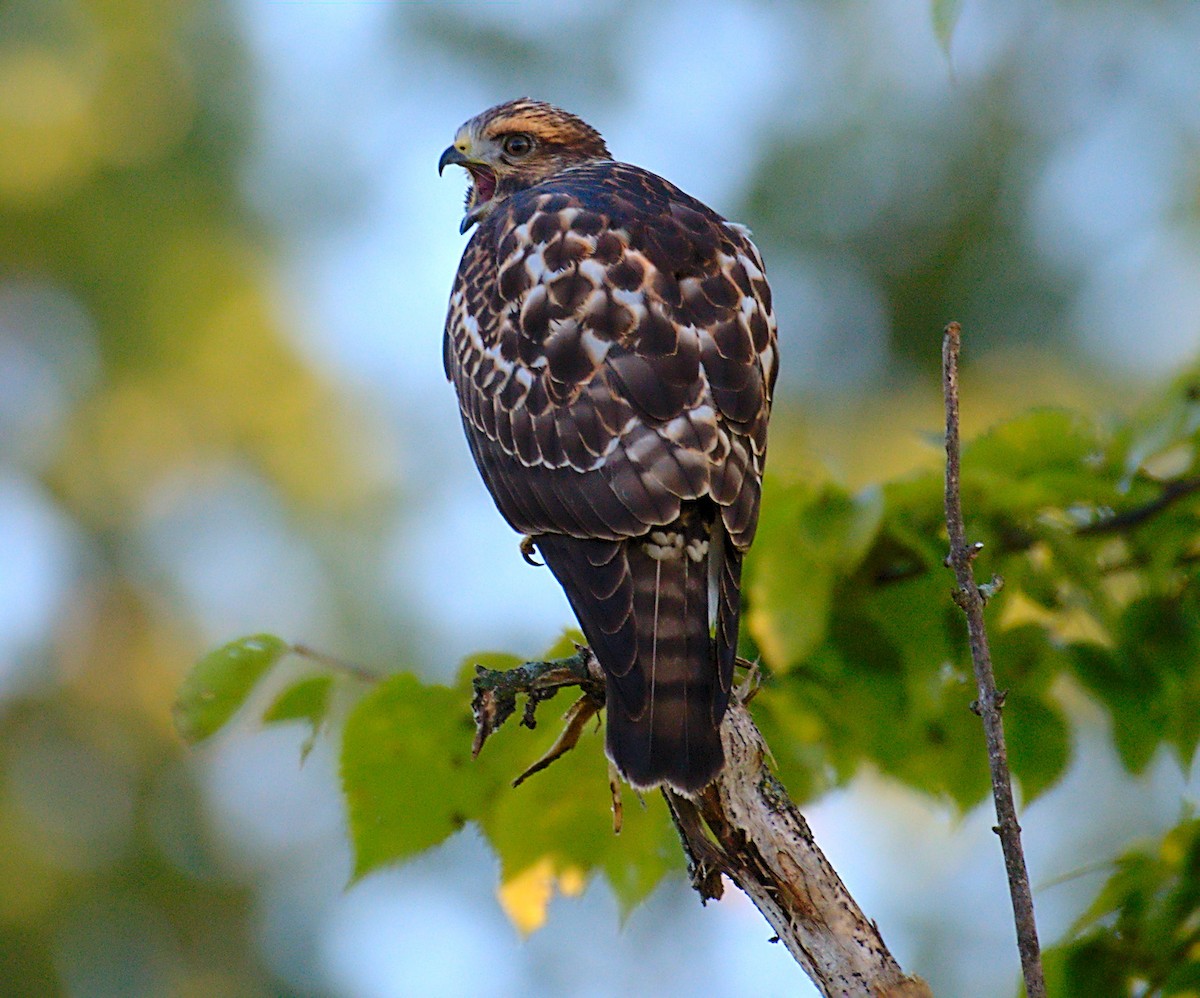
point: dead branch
(971, 598)
(743, 826)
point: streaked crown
(515, 145)
(560, 133)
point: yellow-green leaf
(308, 701)
(806, 543)
(220, 682)
(407, 773)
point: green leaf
(1041, 459)
(559, 820)
(945, 17)
(1167, 422)
(1143, 927)
(805, 544)
(406, 770)
(307, 700)
(1039, 744)
(563, 814)
(1128, 695)
(1034, 441)
(1150, 680)
(220, 682)
(789, 716)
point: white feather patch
(664, 546)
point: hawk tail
(672, 736)
(643, 604)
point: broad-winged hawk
(612, 342)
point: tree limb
(745, 826)
(1128, 519)
(971, 599)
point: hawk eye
(518, 145)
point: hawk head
(515, 145)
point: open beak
(483, 184)
(452, 157)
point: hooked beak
(453, 156)
(484, 184)
(471, 217)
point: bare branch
(744, 826)
(969, 597)
(1128, 519)
(336, 664)
(496, 690)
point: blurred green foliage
(1141, 936)
(1096, 532)
(122, 130)
(1101, 599)
(164, 366)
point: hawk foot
(528, 549)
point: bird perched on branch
(612, 343)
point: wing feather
(613, 347)
(621, 360)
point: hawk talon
(528, 549)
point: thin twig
(580, 712)
(1117, 521)
(1129, 518)
(337, 664)
(971, 600)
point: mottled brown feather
(612, 343)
